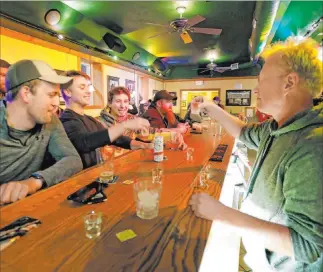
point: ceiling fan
(212, 67)
(184, 26)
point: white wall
(154, 85)
(116, 72)
(145, 85)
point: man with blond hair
(281, 218)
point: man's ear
(291, 81)
(67, 93)
(159, 103)
(25, 94)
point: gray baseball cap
(27, 70)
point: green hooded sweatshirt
(286, 187)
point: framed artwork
(174, 101)
(131, 86)
(183, 104)
(112, 82)
(238, 98)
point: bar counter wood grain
(174, 241)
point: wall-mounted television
(238, 98)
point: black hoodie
(87, 134)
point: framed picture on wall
(238, 98)
(183, 104)
(174, 101)
(112, 82)
(131, 86)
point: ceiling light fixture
(52, 17)
(136, 56)
(115, 57)
(60, 37)
(181, 10)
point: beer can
(158, 148)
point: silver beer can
(158, 148)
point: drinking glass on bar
(107, 174)
(147, 134)
(147, 194)
(105, 156)
(213, 127)
(189, 153)
(201, 185)
(157, 175)
(92, 224)
(174, 140)
(203, 180)
(219, 130)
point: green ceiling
(86, 22)
(297, 18)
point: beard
(170, 116)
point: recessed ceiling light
(52, 17)
(60, 37)
(115, 57)
(136, 56)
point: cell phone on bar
(89, 194)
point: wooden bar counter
(174, 241)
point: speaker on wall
(114, 43)
(159, 65)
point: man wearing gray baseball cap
(30, 132)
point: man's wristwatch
(39, 177)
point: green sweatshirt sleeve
(252, 134)
(68, 161)
(303, 191)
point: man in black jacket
(85, 132)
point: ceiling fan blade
(203, 30)
(156, 24)
(160, 34)
(199, 69)
(186, 37)
(195, 20)
(205, 71)
(222, 69)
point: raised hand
(136, 124)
